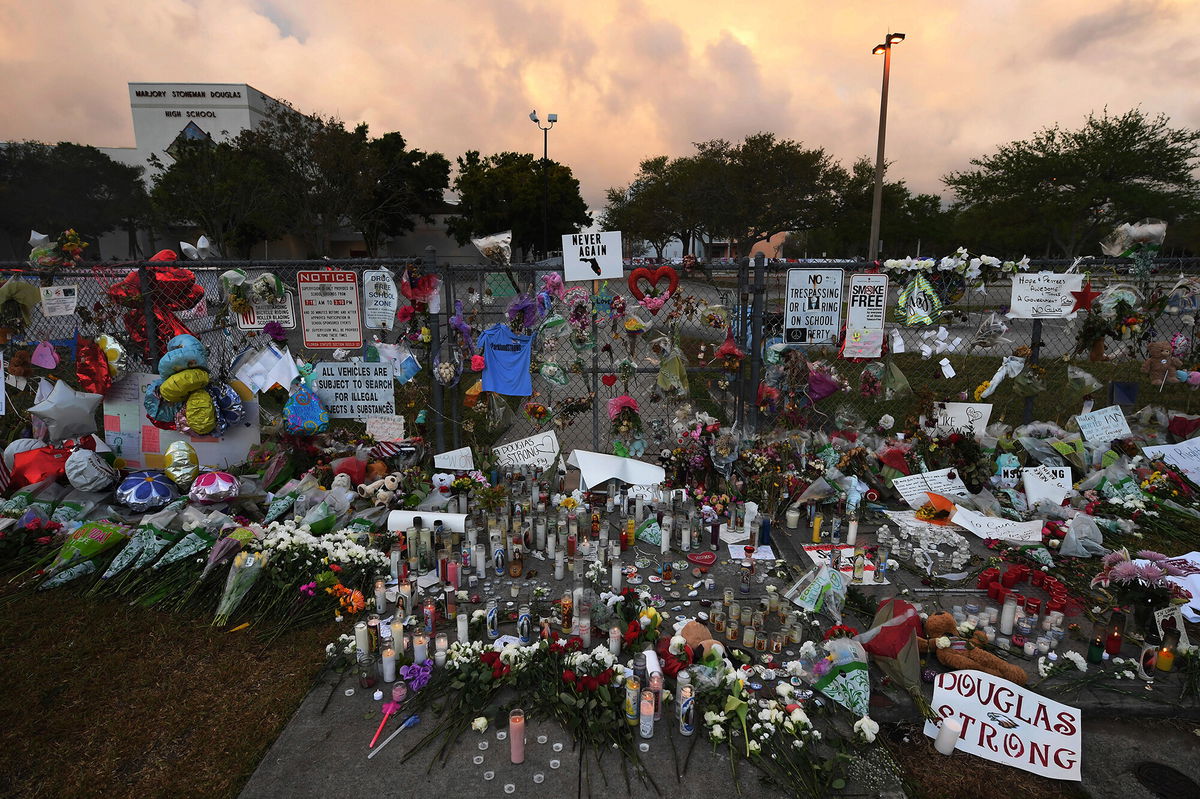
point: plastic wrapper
(182, 463)
(146, 490)
(146, 543)
(320, 518)
(1129, 236)
(243, 574)
(286, 498)
(1010, 366)
(192, 543)
(497, 247)
(228, 405)
(87, 541)
(36, 465)
(21, 499)
(20, 445)
(1083, 538)
(114, 354)
(1081, 381)
(990, 333)
(847, 417)
(819, 590)
(895, 384)
(1028, 383)
(1041, 451)
(211, 487)
(672, 377)
(89, 471)
(76, 505)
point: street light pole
(877, 200)
(551, 118)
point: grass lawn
(104, 699)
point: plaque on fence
(257, 317)
(813, 314)
(329, 313)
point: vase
(1144, 626)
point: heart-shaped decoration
(609, 380)
(702, 558)
(653, 278)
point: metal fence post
(435, 343)
(146, 283)
(1035, 347)
(756, 337)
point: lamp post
(877, 202)
(551, 118)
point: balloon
(91, 367)
(88, 471)
(113, 352)
(146, 490)
(212, 487)
(201, 414)
(229, 406)
(176, 387)
(20, 445)
(35, 465)
(67, 412)
(182, 463)
(158, 410)
(183, 352)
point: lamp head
(533, 117)
(879, 49)
(552, 118)
(895, 37)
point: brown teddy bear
(973, 657)
(1161, 364)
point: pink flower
(1115, 557)
(405, 313)
(618, 404)
(1125, 570)
(1150, 572)
(476, 363)
(1149, 554)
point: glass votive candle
(993, 614)
(733, 610)
(746, 616)
(758, 620)
(727, 596)
(1029, 648)
(731, 630)
(971, 607)
(748, 636)
(776, 643)
(760, 641)
(795, 633)
(1043, 645)
(990, 632)
(1002, 643)
(718, 622)
(441, 642)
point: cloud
(628, 78)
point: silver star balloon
(68, 412)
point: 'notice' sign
(592, 256)
(329, 311)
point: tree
(765, 186)
(51, 188)
(1070, 187)
(643, 211)
(402, 184)
(505, 191)
(230, 190)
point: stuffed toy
(441, 483)
(1161, 365)
(962, 653)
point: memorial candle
(516, 735)
(420, 648)
(464, 626)
(947, 737)
(389, 664)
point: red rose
(605, 677)
(568, 675)
(43, 540)
(632, 632)
(333, 567)
(591, 683)
(405, 313)
(497, 672)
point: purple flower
(417, 676)
(1125, 570)
(1149, 554)
(275, 331)
(1150, 572)
(1115, 557)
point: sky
(628, 79)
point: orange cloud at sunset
(627, 78)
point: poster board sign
(913, 487)
(863, 343)
(381, 299)
(973, 416)
(1043, 295)
(459, 460)
(355, 390)
(540, 450)
(1005, 723)
(1002, 529)
(592, 256)
(59, 300)
(1184, 456)
(329, 312)
(813, 310)
(1049, 483)
(257, 317)
(1106, 424)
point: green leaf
(838, 784)
(566, 699)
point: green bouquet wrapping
(87, 541)
(895, 384)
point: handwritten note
(913, 487)
(459, 460)
(1049, 483)
(539, 450)
(972, 416)
(1043, 295)
(1106, 424)
(1185, 456)
(1003, 529)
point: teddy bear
(1161, 364)
(943, 625)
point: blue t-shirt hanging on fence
(506, 361)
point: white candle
(852, 531)
(361, 639)
(439, 659)
(406, 598)
(947, 737)
(464, 622)
(560, 565)
(1030, 647)
(616, 576)
(614, 641)
(389, 664)
(420, 649)
(665, 543)
(793, 518)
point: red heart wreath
(642, 273)
(702, 558)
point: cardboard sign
(59, 300)
(1043, 295)
(539, 450)
(592, 256)
(971, 416)
(813, 310)
(1049, 483)
(1184, 456)
(597, 468)
(381, 299)
(1002, 529)
(386, 428)
(329, 314)
(913, 487)
(1008, 724)
(257, 317)
(867, 305)
(458, 460)
(1103, 425)
(355, 390)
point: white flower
(808, 650)
(1077, 659)
(677, 645)
(480, 723)
(783, 691)
(478, 615)
(886, 422)
(330, 649)
(799, 718)
(943, 642)
(717, 732)
(1043, 667)
(867, 728)
(712, 719)
(753, 747)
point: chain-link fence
(595, 343)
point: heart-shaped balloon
(653, 278)
(702, 558)
(609, 380)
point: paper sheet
(1050, 483)
(737, 552)
(262, 369)
(1003, 529)
(914, 486)
(540, 450)
(596, 468)
(459, 460)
